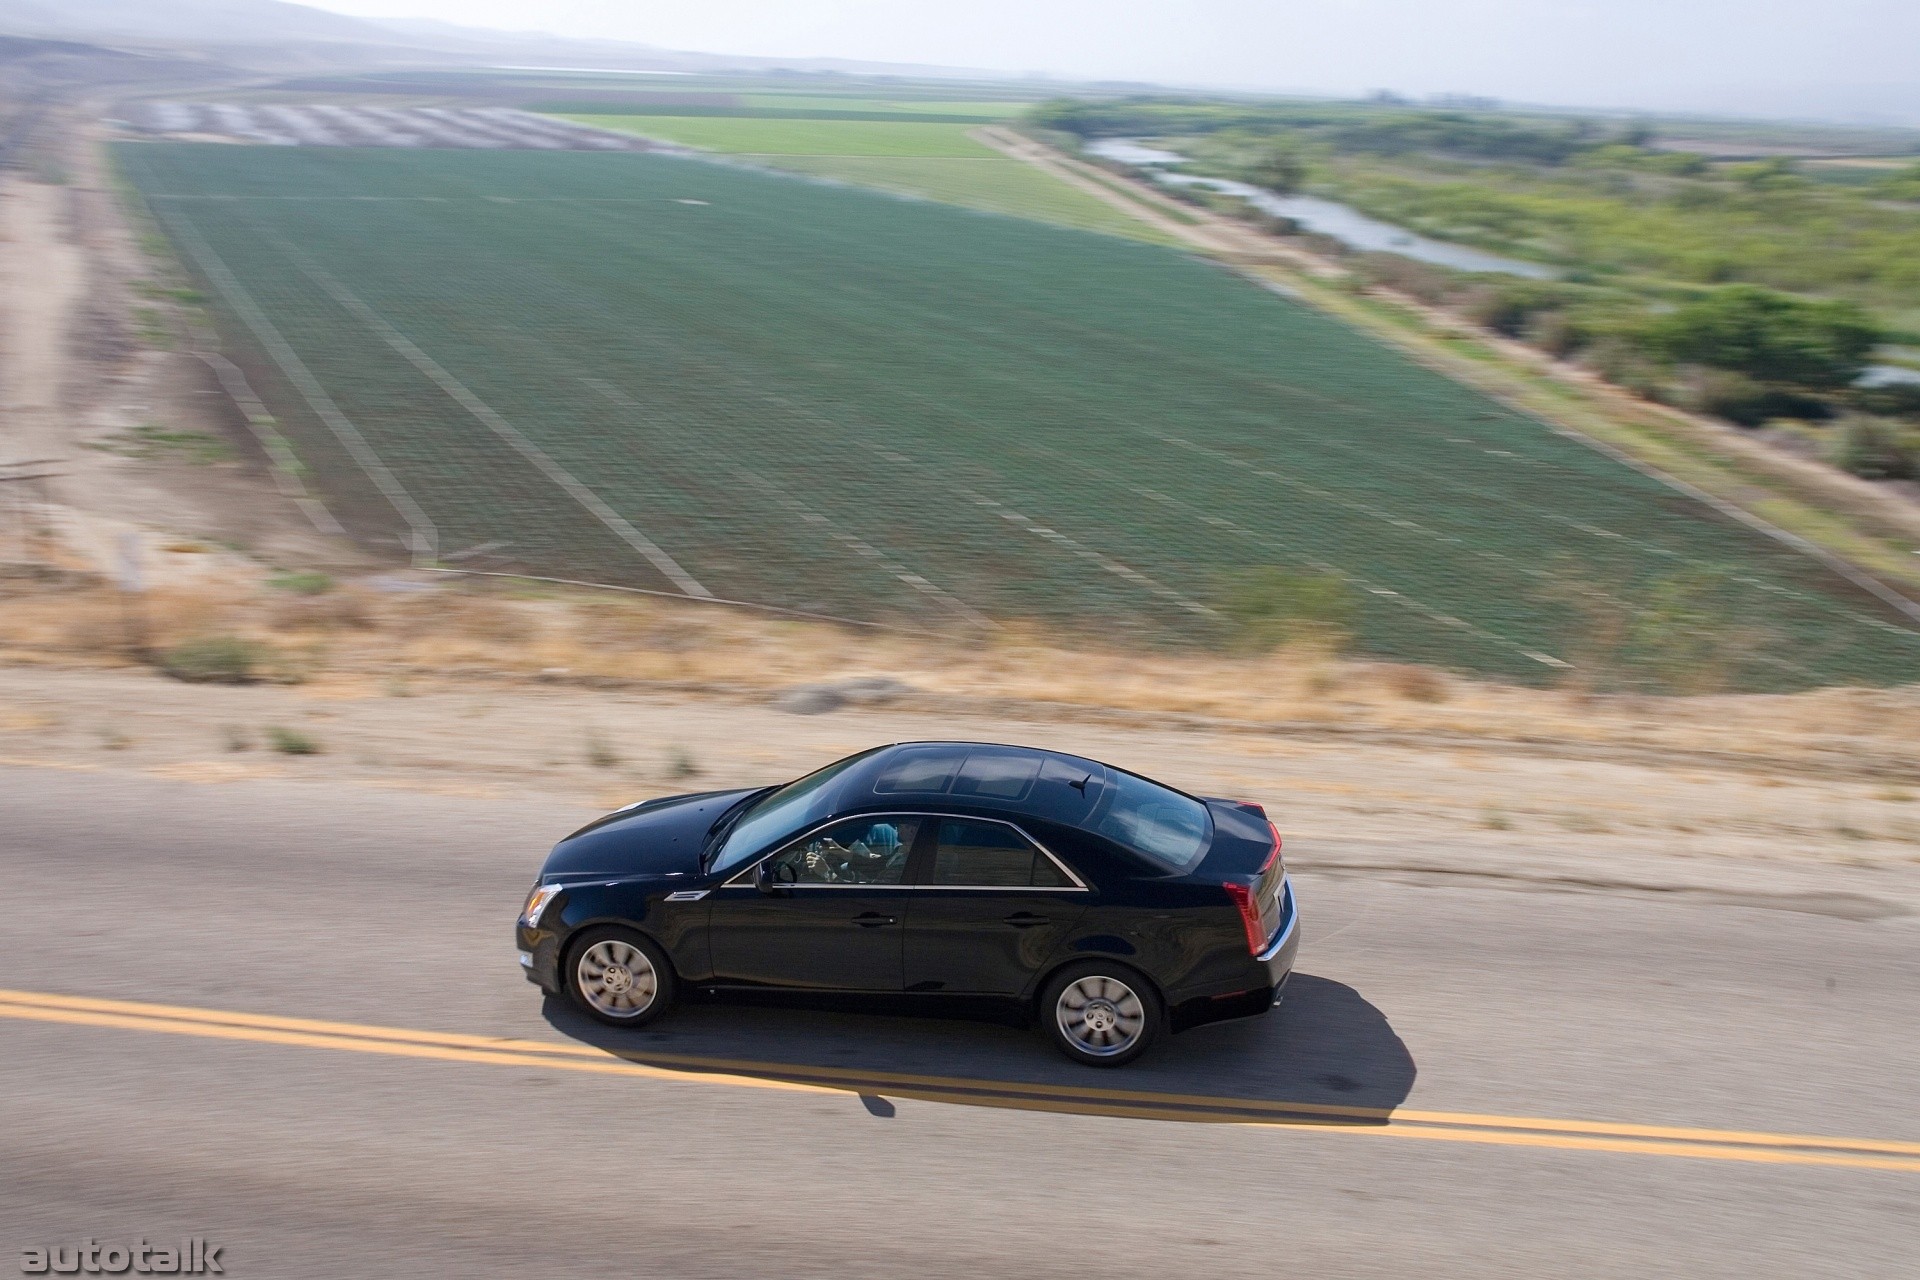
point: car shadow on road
(1326, 1056)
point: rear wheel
(619, 977)
(1103, 1015)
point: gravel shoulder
(1505, 813)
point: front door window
(859, 852)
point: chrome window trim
(743, 879)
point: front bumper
(539, 957)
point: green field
(823, 398)
(914, 158)
(779, 136)
(908, 106)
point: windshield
(785, 812)
(1172, 829)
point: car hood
(655, 838)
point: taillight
(1249, 916)
(1273, 856)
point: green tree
(1772, 337)
(1277, 165)
(1777, 174)
(1904, 185)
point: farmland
(685, 376)
(776, 135)
(934, 160)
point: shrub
(1325, 246)
(303, 582)
(1622, 362)
(215, 660)
(292, 742)
(1904, 185)
(599, 752)
(1556, 333)
(1415, 683)
(335, 610)
(1500, 309)
(1776, 174)
(1430, 284)
(1679, 632)
(1745, 402)
(1771, 337)
(1876, 449)
(1277, 165)
(1889, 400)
(1268, 608)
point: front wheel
(619, 977)
(1102, 1015)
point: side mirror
(773, 874)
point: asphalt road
(1465, 1081)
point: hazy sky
(1835, 56)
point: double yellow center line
(1436, 1126)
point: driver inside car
(870, 859)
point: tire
(618, 977)
(1101, 1014)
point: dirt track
(80, 384)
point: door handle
(1026, 920)
(871, 920)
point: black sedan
(1108, 906)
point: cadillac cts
(1110, 908)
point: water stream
(1322, 216)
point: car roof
(1053, 785)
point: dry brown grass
(1415, 684)
(349, 633)
(480, 617)
(327, 612)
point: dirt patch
(497, 631)
(93, 343)
(1500, 816)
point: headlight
(537, 902)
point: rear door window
(989, 855)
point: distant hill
(33, 68)
(268, 32)
(185, 21)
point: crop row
(814, 396)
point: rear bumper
(1266, 978)
(1278, 957)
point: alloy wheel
(1100, 1016)
(616, 978)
